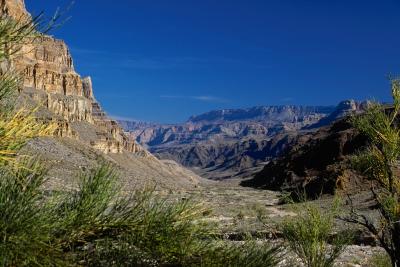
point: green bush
(248, 253)
(144, 224)
(94, 225)
(379, 260)
(310, 237)
(25, 238)
(143, 229)
(379, 162)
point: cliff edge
(51, 82)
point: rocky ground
(235, 209)
(238, 210)
(66, 159)
(222, 141)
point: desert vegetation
(93, 225)
(310, 236)
(380, 163)
(97, 223)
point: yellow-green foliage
(379, 260)
(379, 123)
(248, 253)
(16, 130)
(309, 236)
(380, 162)
(16, 127)
(14, 33)
(94, 225)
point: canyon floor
(236, 210)
(239, 210)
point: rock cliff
(86, 135)
(316, 163)
(343, 109)
(236, 142)
(14, 8)
(285, 113)
(47, 67)
(231, 142)
(228, 125)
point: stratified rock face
(280, 114)
(87, 88)
(59, 94)
(229, 125)
(316, 163)
(230, 142)
(47, 65)
(344, 108)
(50, 79)
(236, 142)
(224, 160)
(13, 8)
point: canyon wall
(50, 79)
(13, 8)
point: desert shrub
(24, 222)
(97, 217)
(247, 253)
(17, 126)
(309, 236)
(379, 162)
(94, 225)
(379, 260)
(285, 198)
(25, 238)
(99, 227)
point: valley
(125, 187)
(239, 211)
(225, 144)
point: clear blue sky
(164, 60)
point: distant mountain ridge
(343, 109)
(282, 113)
(234, 142)
(227, 125)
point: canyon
(257, 154)
(235, 143)
(85, 135)
(220, 144)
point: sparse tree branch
(379, 162)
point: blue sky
(164, 60)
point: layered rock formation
(14, 8)
(61, 95)
(224, 160)
(226, 143)
(315, 163)
(49, 77)
(236, 142)
(228, 125)
(278, 114)
(343, 109)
